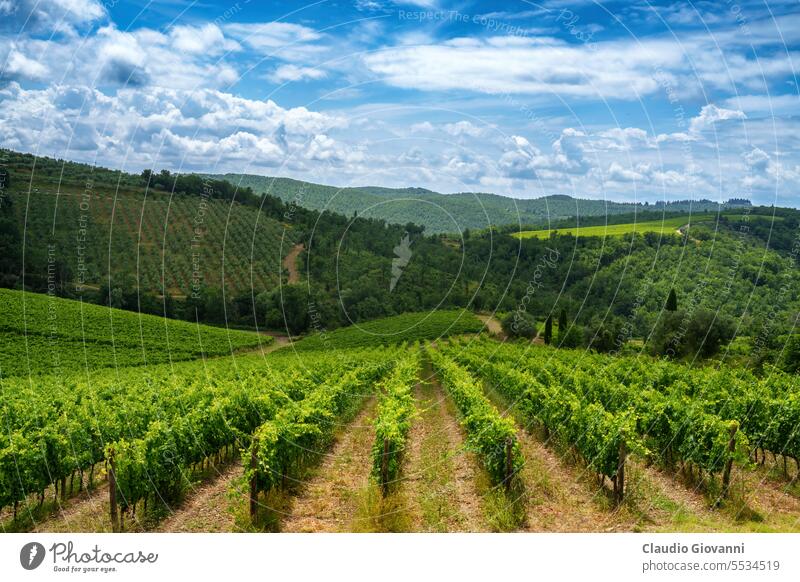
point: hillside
(49, 335)
(447, 213)
(98, 225)
(354, 270)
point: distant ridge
(441, 213)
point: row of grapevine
(394, 419)
(490, 435)
(56, 427)
(85, 337)
(668, 423)
(281, 447)
(603, 439)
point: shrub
(520, 324)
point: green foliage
(155, 420)
(672, 301)
(490, 435)
(394, 419)
(303, 429)
(571, 337)
(409, 327)
(791, 354)
(470, 210)
(604, 336)
(548, 330)
(699, 333)
(670, 411)
(43, 334)
(520, 324)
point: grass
(666, 226)
(437, 498)
(41, 334)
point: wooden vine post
(385, 466)
(254, 479)
(509, 462)
(112, 492)
(619, 479)
(726, 473)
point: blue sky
(614, 100)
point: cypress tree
(672, 301)
(562, 322)
(548, 330)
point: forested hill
(205, 250)
(451, 213)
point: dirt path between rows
(440, 475)
(492, 324)
(329, 500)
(88, 512)
(206, 508)
(290, 263)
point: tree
(701, 333)
(571, 338)
(520, 324)
(791, 355)
(672, 301)
(548, 330)
(10, 237)
(562, 326)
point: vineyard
(49, 335)
(164, 243)
(424, 434)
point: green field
(408, 327)
(42, 334)
(666, 226)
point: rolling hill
(106, 237)
(43, 334)
(449, 213)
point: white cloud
(112, 57)
(290, 72)
(422, 127)
(711, 114)
(464, 128)
(325, 149)
(271, 36)
(197, 40)
(525, 161)
(49, 15)
(529, 65)
(155, 125)
(769, 104)
(618, 173)
(18, 66)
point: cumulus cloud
(618, 173)
(169, 125)
(206, 39)
(19, 67)
(711, 114)
(50, 15)
(464, 128)
(525, 161)
(112, 57)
